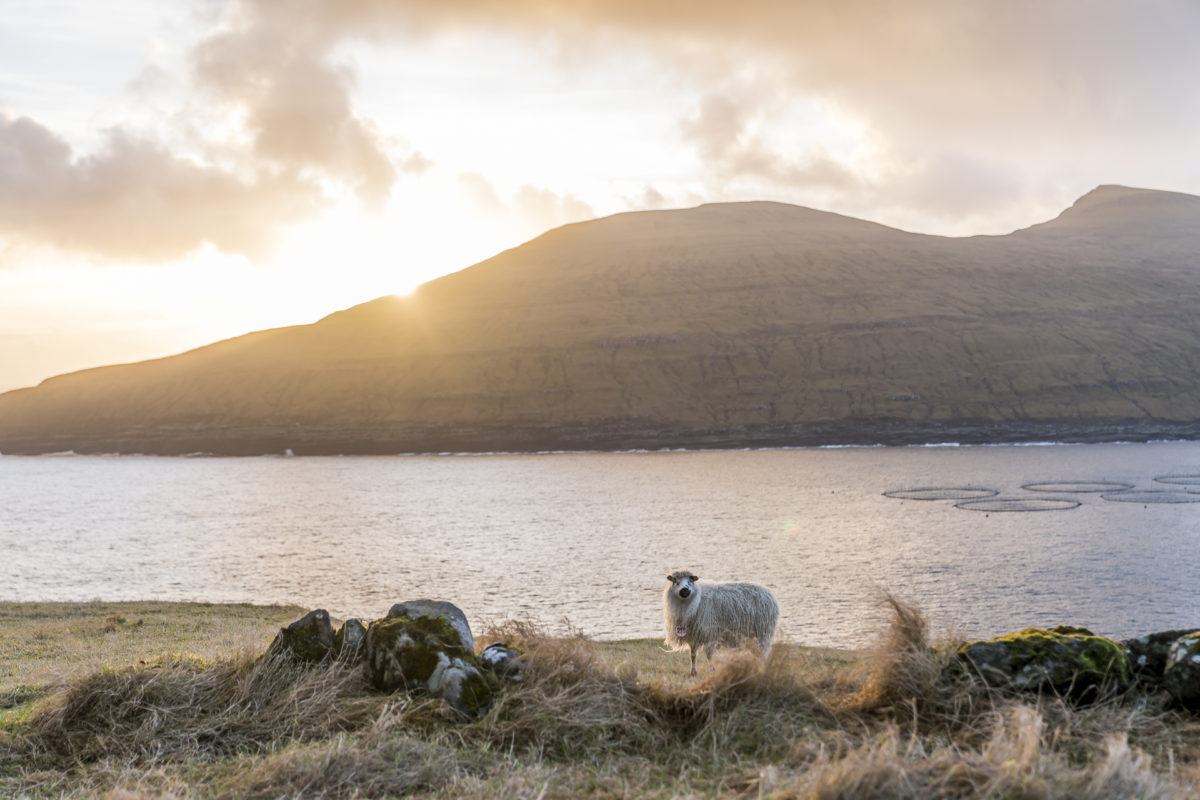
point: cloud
(974, 61)
(649, 200)
(415, 164)
(1025, 94)
(139, 198)
(276, 68)
(963, 105)
(725, 138)
(546, 209)
(533, 209)
(959, 101)
(480, 193)
(134, 200)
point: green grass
(187, 710)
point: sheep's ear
(693, 578)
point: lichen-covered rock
(504, 661)
(348, 640)
(1181, 676)
(1068, 660)
(1148, 654)
(309, 638)
(436, 608)
(426, 653)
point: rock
(1148, 654)
(1181, 676)
(504, 661)
(309, 638)
(437, 608)
(402, 652)
(426, 653)
(349, 639)
(1066, 659)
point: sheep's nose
(685, 592)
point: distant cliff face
(723, 325)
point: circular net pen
(1079, 487)
(941, 493)
(1005, 504)
(1153, 496)
(1179, 480)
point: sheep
(709, 615)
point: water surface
(586, 539)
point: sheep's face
(683, 584)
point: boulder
(1181, 676)
(309, 638)
(349, 639)
(437, 608)
(503, 661)
(1067, 660)
(426, 653)
(1148, 654)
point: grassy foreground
(158, 700)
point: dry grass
(600, 720)
(47, 643)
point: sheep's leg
(692, 650)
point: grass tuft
(376, 764)
(180, 708)
(570, 704)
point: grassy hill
(722, 325)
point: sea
(982, 539)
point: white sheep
(709, 615)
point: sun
(350, 254)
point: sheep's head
(683, 584)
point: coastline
(605, 436)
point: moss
(476, 692)
(438, 631)
(309, 638)
(1068, 630)
(406, 651)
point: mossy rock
(1148, 654)
(1181, 676)
(426, 653)
(309, 638)
(1068, 660)
(437, 608)
(349, 639)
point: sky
(176, 172)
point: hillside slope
(723, 325)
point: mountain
(724, 325)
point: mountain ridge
(734, 324)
